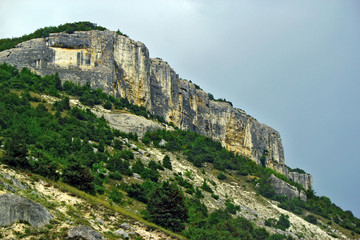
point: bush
(265, 188)
(116, 163)
(270, 222)
(108, 105)
(137, 191)
(117, 144)
(206, 187)
(46, 168)
(167, 208)
(221, 176)
(283, 222)
(116, 196)
(16, 151)
(79, 176)
(231, 208)
(115, 175)
(167, 162)
(311, 219)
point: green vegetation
(211, 97)
(283, 223)
(221, 176)
(71, 144)
(45, 32)
(167, 162)
(167, 208)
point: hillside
(122, 68)
(98, 160)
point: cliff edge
(122, 67)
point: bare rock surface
(127, 122)
(284, 188)
(84, 232)
(14, 208)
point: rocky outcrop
(283, 188)
(84, 232)
(303, 179)
(127, 122)
(14, 208)
(122, 67)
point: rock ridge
(122, 67)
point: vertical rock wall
(122, 67)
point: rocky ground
(68, 211)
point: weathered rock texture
(127, 122)
(84, 232)
(283, 188)
(122, 67)
(14, 208)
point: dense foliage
(8, 43)
(72, 144)
(167, 208)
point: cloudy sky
(293, 65)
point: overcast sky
(293, 65)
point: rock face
(14, 208)
(84, 232)
(122, 67)
(283, 188)
(127, 122)
(304, 179)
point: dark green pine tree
(167, 162)
(16, 149)
(167, 208)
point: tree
(265, 188)
(16, 150)
(108, 105)
(167, 208)
(311, 218)
(101, 146)
(116, 196)
(283, 222)
(167, 162)
(79, 176)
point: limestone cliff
(122, 67)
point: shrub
(116, 196)
(221, 176)
(108, 105)
(198, 193)
(214, 196)
(231, 208)
(167, 208)
(117, 144)
(137, 191)
(16, 151)
(270, 222)
(79, 176)
(115, 163)
(45, 167)
(115, 175)
(167, 162)
(283, 222)
(206, 187)
(311, 219)
(265, 188)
